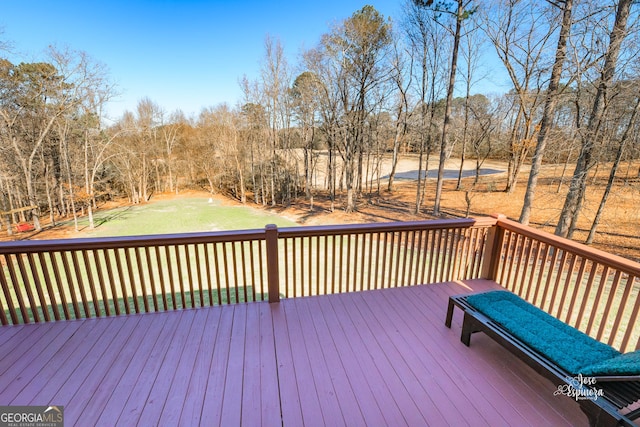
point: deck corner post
(493, 250)
(273, 274)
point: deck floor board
(370, 358)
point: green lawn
(178, 216)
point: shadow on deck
(371, 358)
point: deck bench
(605, 382)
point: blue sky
(181, 54)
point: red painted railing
(78, 278)
(596, 292)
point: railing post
(493, 251)
(273, 274)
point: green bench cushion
(625, 364)
(562, 344)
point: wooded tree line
(371, 89)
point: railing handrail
(619, 263)
(89, 243)
(382, 227)
(53, 245)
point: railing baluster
(426, 257)
(112, 282)
(69, 281)
(217, 267)
(92, 286)
(363, 256)
(628, 287)
(633, 318)
(566, 286)
(253, 271)
(59, 284)
(179, 274)
(556, 287)
(586, 296)
(287, 263)
(187, 260)
(333, 264)
(163, 288)
(442, 254)
(260, 263)
(449, 253)
(403, 243)
(47, 279)
(370, 263)
(143, 281)
(152, 282)
(518, 277)
(312, 255)
(81, 283)
(326, 264)
(234, 273)
(530, 270)
(612, 295)
(304, 275)
(38, 285)
(7, 292)
(316, 264)
(27, 286)
(435, 254)
(506, 261)
(295, 269)
(102, 283)
(3, 307)
(604, 277)
(576, 289)
(207, 267)
(392, 259)
(132, 283)
(384, 262)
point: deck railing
(79, 278)
(347, 258)
(596, 292)
(593, 291)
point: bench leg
(598, 417)
(449, 318)
(469, 326)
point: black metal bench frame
(619, 391)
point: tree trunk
(465, 128)
(612, 174)
(548, 113)
(444, 143)
(573, 202)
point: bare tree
(549, 109)
(275, 81)
(520, 31)
(358, 50)
(306, 92)
(573, 201)
(35, 97)
(460, 11)
(425, 38)
(624, 139)
(402, 77)
(471, 59)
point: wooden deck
(375, 358)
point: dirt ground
(619, 230)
